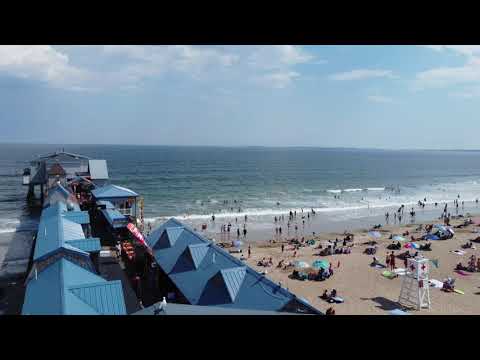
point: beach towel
(389, 275)
(458, 291)
(461, 272)
(400, 271)
(435, 283)
(337, 299)
(379, 266)
(458, 252)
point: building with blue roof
(63, 279)
(116, 201)
(207, 275)
(64, 288)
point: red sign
(138, 235)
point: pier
(90, 257)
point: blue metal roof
(79, 217)
(64, 288)
(197, 253)
(218, 278)
(106, 203)
(182, 309)
(113, 191)
(88, 245)
(57, 231)
(115, 218)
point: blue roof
(106, 203)
(56, 231)
(208, 275)
(88, 245)
(79, 217)
(183, 309)
(64, 288)
(113, 191)
(115, 218)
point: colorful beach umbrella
(321, 264)
(374, 234)
(398, 238)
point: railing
(128, 212)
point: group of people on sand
(472, 266)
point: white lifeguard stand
(415, 289)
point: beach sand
(363, 288)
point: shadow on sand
(386, 304)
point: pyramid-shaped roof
(233, 279)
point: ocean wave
(337, 191)
(376, 189)
(352, 190)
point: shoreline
(264, 230)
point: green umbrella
(321, 264)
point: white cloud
(278, 56)
(469, 50)
(446, 76)
(279, 80)
(361, 74)
(380, 99)
(127, 66)
(40, 62)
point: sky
(391, 97)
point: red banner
(138, 235)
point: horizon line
(239, 146)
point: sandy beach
(364, 289)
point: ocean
(192, 183)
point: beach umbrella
(301, 264)
(374, 234)
(237, 243)
(432, 237)
(398, 238)
(321, 264)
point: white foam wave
(337, 191)
(376, 189)
(352, 190)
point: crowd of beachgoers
(360, 272)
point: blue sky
(329, 96)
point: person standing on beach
(249, 251)
(246, 218)
(238, 232)
(392, 261)
(280, 231)
(244, 233)
(283, 247)
(387, 260)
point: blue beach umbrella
(321, 264)
(237, 243)
(374, 234)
